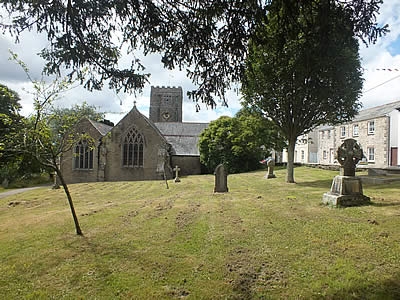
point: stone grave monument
(346, 189)
(270, 164)
(177, 169)
(221, 179)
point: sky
(380, 61)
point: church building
(137, 148)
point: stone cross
(346, 189)
(177, 169)
(221, 179)
(348, 155)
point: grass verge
(265, 239)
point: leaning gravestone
(271, 165)
(346, 189)
(221, 179)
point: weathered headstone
(221, 179)
(5, 183)
(177, 169)
(346, 189)
(55, 186)
(271, 165)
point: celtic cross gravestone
(346, 189)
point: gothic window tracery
(132, 150)
(83, 156)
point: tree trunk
(290, 161)
(71, 204)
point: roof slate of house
(101, 127)
(183, 137)
(377, 111)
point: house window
(329, 134)
(355, 130)
(322, 134)
(371, 154)
(132, 150)
(302, 154)
(342, 131)
(83, 156)
(324, 154)
(371, 127)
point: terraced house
(377, 129)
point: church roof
(377, 111)
(101, 127)
(183, 137)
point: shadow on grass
(386, 289)
(385, 204)
(323, 183)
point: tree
(40, 139)
(303, 69)
(11, 158)
(208, 38)
(239, 142)
(59, 115)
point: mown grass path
(265, 239)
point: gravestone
(5, 183)
(177, 169)
(271, 164)
(221, 179)
(346, 189)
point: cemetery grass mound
(265, 239)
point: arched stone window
(83, 156)
(132, 149)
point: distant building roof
(101, 127)
(377, 111)
(183, 137)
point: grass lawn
(265, 239)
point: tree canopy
(11, 158)
(304, 71)
(239, 142)
(208, 38)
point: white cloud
(383, 86)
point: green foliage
(303, 68)
(239, 142)
(14, 162)
(208, 38)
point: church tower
(166, 104)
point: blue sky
(381, 86)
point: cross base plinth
(345, 191)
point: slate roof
(183, 137)
(101, 127)
(377, 111)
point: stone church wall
(153, 142)
(189, 165)
(72, 175)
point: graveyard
(262, 239)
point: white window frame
(371, 154)
(371, 127)
(355, 130)
(324, 154)
(343, 131)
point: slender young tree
(207, 38)
(303, 69)
(44, 142)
